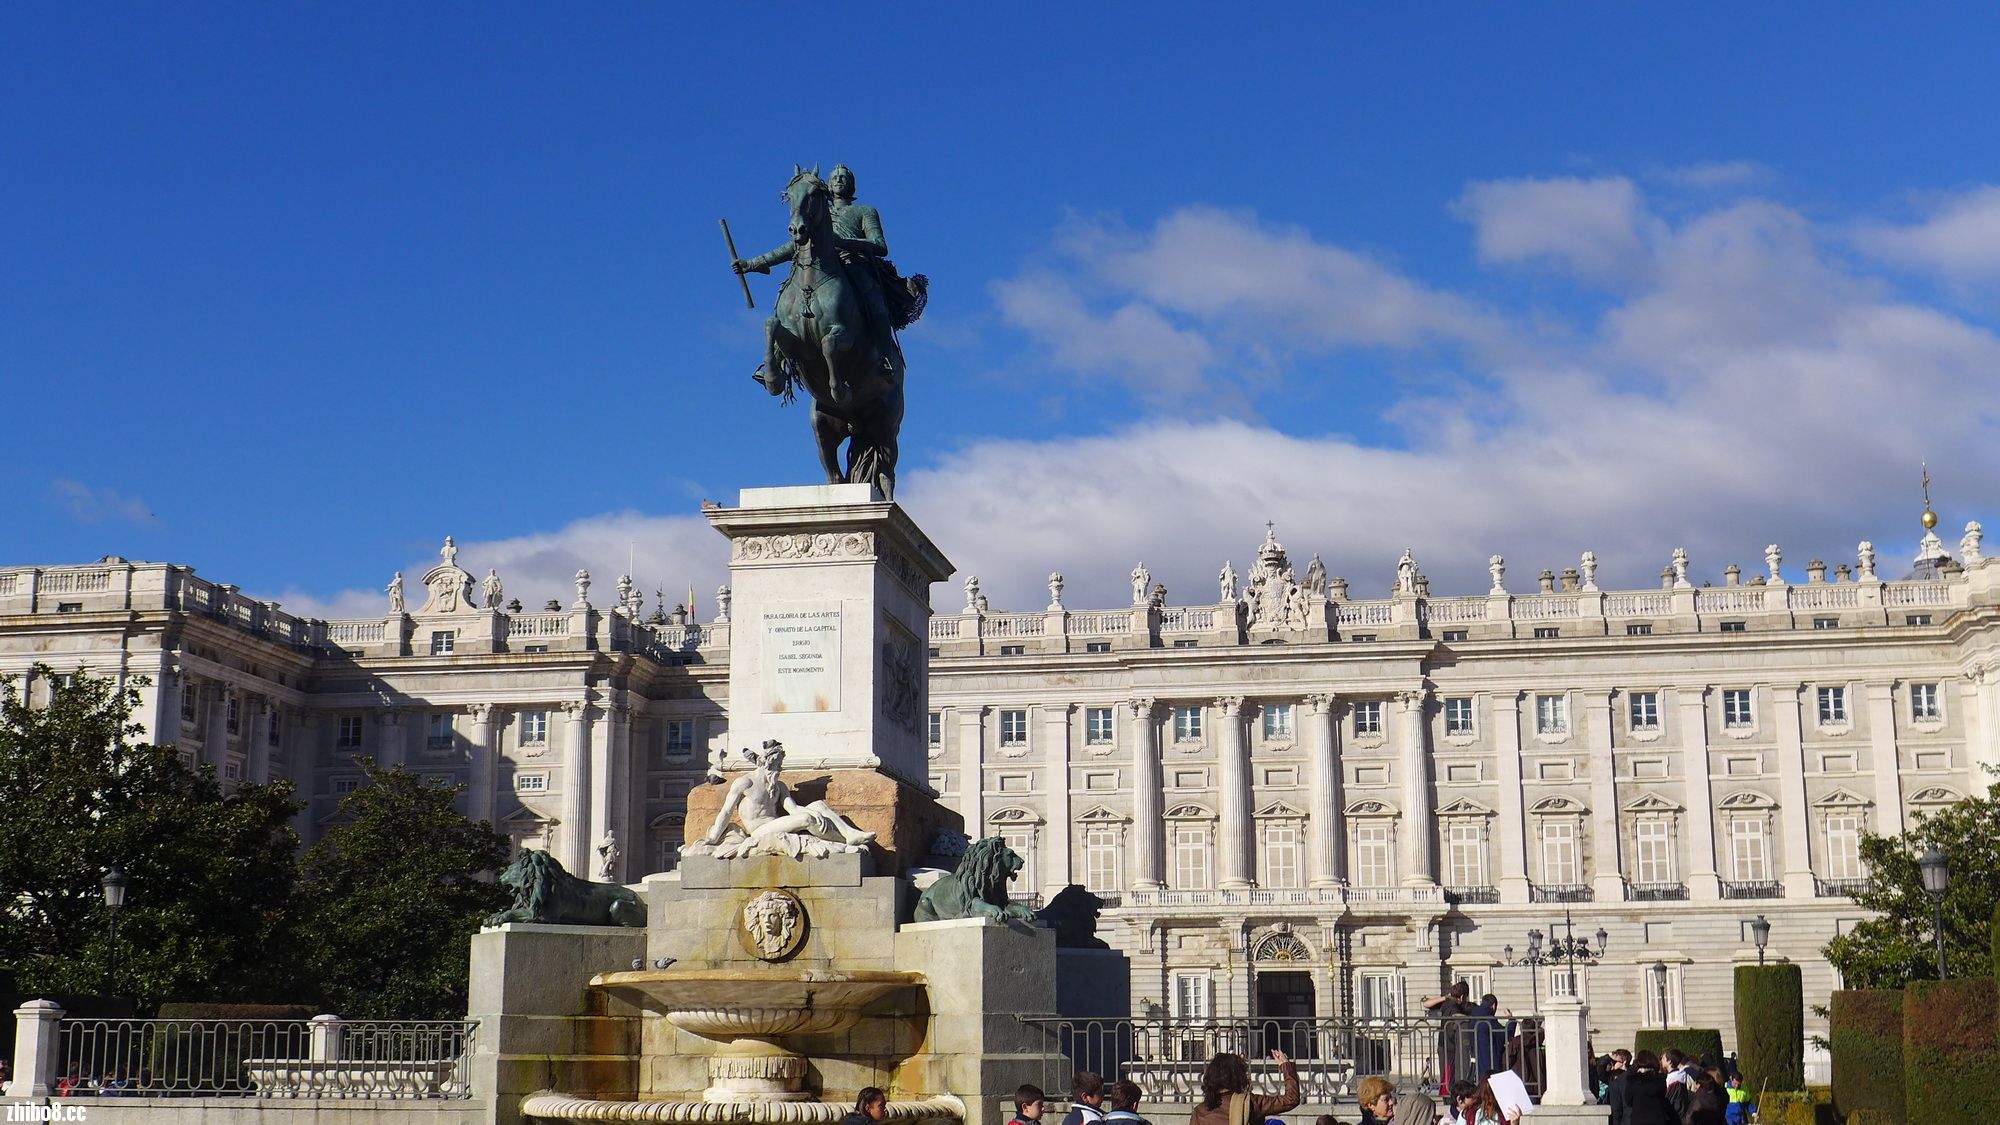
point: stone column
(1703, 885)
(393, 749)
(608, 777)
(1235, 850)
(1786, 700)
(1607, 873)
(574, 836)
(35, 1049)
(1149, 869)
(1055, 782)
(1513, 814)
(1982, 723)
(972, 768)
(1418, 824)
(482, 798)
(215, 736)
(1323, 828)
(257, 750)
(1882, 747)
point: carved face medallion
(772, 926)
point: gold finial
(1929, 517)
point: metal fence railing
(322, 1058)
(1165, 1056)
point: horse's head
(809, 201)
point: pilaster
(482, 794)
(1418, 822)
(1702, 883)
(1323, 828)
(1792, 808)
(574, 837)
(1055, 782)
(1608, 878)
(1148, 797)
(1236, 867)
(1882, 748)
(1513, 821)
(972, 768)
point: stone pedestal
(905, 817)
(1566, 1034)
(830, 626)
(1093, 984)
(983, 975)
(540, 1024)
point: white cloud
(99, 505)
(1715, 175)
(1960, 240)
(1597, 229)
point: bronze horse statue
(821, 338)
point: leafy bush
(1771, 1026)
(1951, 1050)
(1692, 1041)
(200, 1011)
(1866, 1029)
(1787, 1107)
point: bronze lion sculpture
(977, 888)
(544, 892)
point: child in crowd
(1739, 1101)
(1028, 1105)
(1124, 1102)
(1086, 1099)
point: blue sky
(290, 293)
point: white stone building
(1297, 801)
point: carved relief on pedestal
(772, 926)
(825, 544)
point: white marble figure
(607, 857)
(449, 551)
(1587, 566)
(1055, 592)
(1865, 555)
(1968, 547)
(582, 590)
(395, 589)
(1316, 578)
(1681, 569)
(492, 590)
(1406, 573)
(723, 596)
(1772, 557)
(624, 587)
(1226, 583)
(1496, 566)
(759, 817)
(972, 593)
(1142, 580)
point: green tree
(1898, 944)
(391, 897)
(209, 872)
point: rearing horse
(818, 337)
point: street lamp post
(1937, 878)
(1760, 932)
(1567, 951)
(1660, 975)
(114, 901)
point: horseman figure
(834, 329)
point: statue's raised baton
(748, 300)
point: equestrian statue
(834, 330)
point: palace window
(1013, 650)
(235, 713)
(1924, 703)
(443, 642)
(349, 735)
(1380, 995)
(534, 728)
(1843, 846)
(1559, 868)
(680, 736)
(1362, 637)
(1021, 838)
(1465, 853)
(1097, 728)
(1736, 712)
(1458, 718)
(1190, 996)
(1281, 856)
(934, 733)
(189, 693)
(1013, 728)
(1749, 856)
(440, 732)
(1916, 619)
(1100, 858)
(342, 786)
(1090, 646)
(1826, 622)
(1639, 629)
(531, 783)
(1653, 852)
(1191, 852)
(1832, 706)
(1732, 627)
(1187, 643)
(534, 648)
(1547, 632)
(1277, 722)
(1644, 708)
(1372, 856)
(1368, 717)
(1456, 636)
(1187, 724)
(273, 728)
(1663, 996)
(1551, 714)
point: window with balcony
(1559, 866)
(1653, 853)
(1013, 728)
(1191, 854)
(1372, 856)
(1280, 858)
(1458, 715)
(1465, 855)
(1843, 847)
(1368, 717)
(1749, 851)
(1097, 728)
(1643, 709)
(1100, 859)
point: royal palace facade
(1294, 801)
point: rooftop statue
(834, 329)
(759, 817)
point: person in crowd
(1227, 1076)
(1486, 1106)
(1615, 1074)
(1452, 1006)
(1464, 1100)
(1646, 1093)
(1489, 1035)
(1674, 1065)
(1028, 1102)
(1378, 1100)
(1326, 1119)
(871, 1106)
(1417, 1109)
(1708, 1103)
(1511, 1093)
(1086, 1099)
(1739, 1100)
(1124, 1101)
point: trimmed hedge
(206, 1011)
(1693, 1041)
(1771, 1026)
(1865, 1028)
(1875, 1117)
(1787, 1107)
(1951, 1050)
